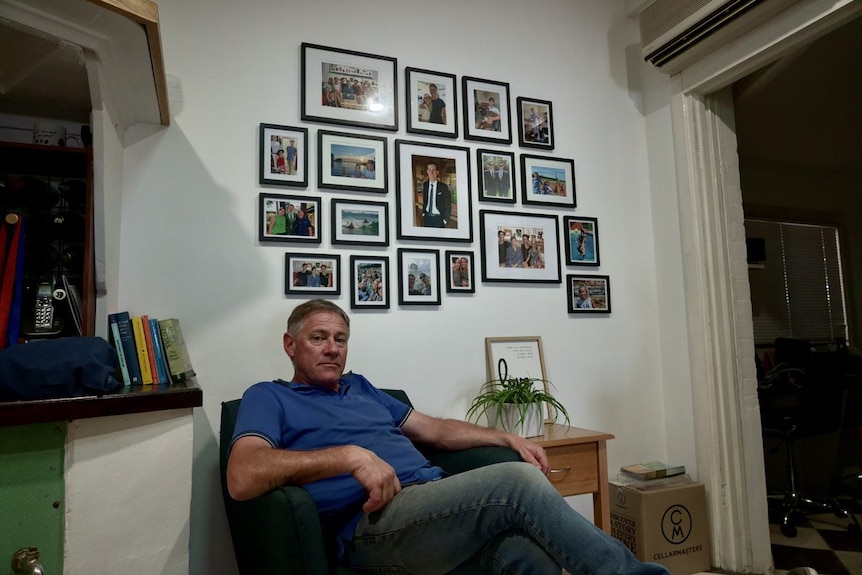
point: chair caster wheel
(789, 530)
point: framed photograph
(535, 123)
(369, 282)
(581, 237)
(497, 176)
(523, 357)
(486, 111)
(349, 88)
(283, 155)
(432, 107)
(433, 197)
(518, 247)
(359, 223)
(547, 181)
(289, 219)
(315, 274)
(418, 277)
(461, 277)
(350, 162)
(589, 294)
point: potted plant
(515, 404)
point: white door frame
(718, 301)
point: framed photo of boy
(432, 107)
(288, 219)
(360, 223)
(349, 88)
(581, 237)
(283, 155)
(486, 110)
(369, 282)
(589, 294)
(461, 277)
(547, 181)
(433, 198)
(496, 176)
(418, 277)
(518, 247)
(535, 123)
(318, 274)
(350, 162)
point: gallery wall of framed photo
(371, 178)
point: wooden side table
(579, 465)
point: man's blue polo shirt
(306, 417)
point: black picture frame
(283, 158)
(493, 187)
(359, 222)
(424, 115)
(548, 181)
(535, 123)
(498, 263)
(481, 123)
(369, 102)
(295, 265)
(581, 238)
(271, 230)
(352, 162)
(425, 264)
(365, 269)
(463, 278)
(598, 290)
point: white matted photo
(351, 162)
(432, 103)
(519, 247)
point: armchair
(279, 532)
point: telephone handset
(43, 317)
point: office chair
(804, 399)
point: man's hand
(530, 452)
(377, 477)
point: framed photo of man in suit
(433, 197)
(496, 176)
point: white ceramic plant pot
(531, 426)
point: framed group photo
(360, 223)
(548, 181)
(283, 155)
(288, 218)
(589, 294)
(369, 282)
(317, 274)
(519, 247)
(349, 88)
(496, 171)
(418, 277)
(433, 198)
(581, 238)
(461, 277)
(432, 103)
(351, 162)
(486, 110)
(535, 123)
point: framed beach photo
(581, 238)
(535, 123)
(351, 162)
(433, 198)
(589, 294)
(360, 223)
(518, 247)
(349, 88)
(460, 277)
(289, 218)
(418, 277)
(432, 107)
(486, 110)
(547, 181)
(312, 274)
(283, 155)
(369, 282)
(496, 171)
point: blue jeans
(505, 518)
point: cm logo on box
(676, 524)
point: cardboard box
(666, 525)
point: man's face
(290, 209)
(323, 269)
(432, 172)
(501, 237)
(319, 353)
(433, 90)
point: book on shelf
(651, 470)
(127, 343)
(141, 349)
(159, 351)
(151, 355)
(116, 341)
(176, 352)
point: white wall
(188, 225)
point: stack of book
(150, 351)
(652, 474)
